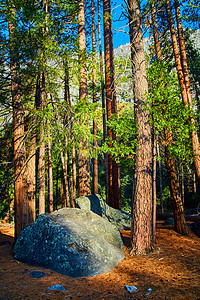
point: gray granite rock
(71, 241)
(97, 205)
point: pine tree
(21, 201)
(141, 237)
(179, 219)
(83, 171)
(114, 197)
(184, 82)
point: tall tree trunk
(183, 77)
(65, 180)
(103, 105)
(115, 165)
(179, 219)
(158, 54)
(31, 178)
(114, 198)
(83, 164)
(95, 161)
(50, 177)
(21, 202)
(195, 139)
(159, 57)
(64, 158)
(156, 33)
(141, 238)
(40, 101)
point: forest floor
(170, 272)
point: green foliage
(123, 126)
(6, 171)
(126, 190)
(167, 199)
(167, 109)
(191, 12)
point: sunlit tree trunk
(179, 219)
(103, 104)
(83, 164)
(141, 237)
(183, 77)
(31, 177)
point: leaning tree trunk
(183, 78)
(141, 237)
(179, 219)
(83, 164)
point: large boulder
(97, 205)
(71, 241)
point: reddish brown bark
(21, 203)
(179, 220)
(103, 105)
(183, 57)
(64, 158)
(142, 238)
(114, 198)
(31, 178)
(40, 101)
(83, 171)
(183, 78)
